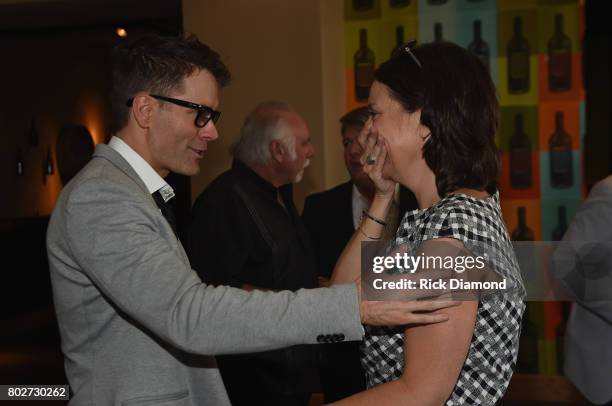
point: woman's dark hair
(458, 103)
(158, 65)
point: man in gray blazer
(137, 324)
(583, 262)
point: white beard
(300, 175)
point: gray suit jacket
(588, 338)
(137, 324)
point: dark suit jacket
(328, 217)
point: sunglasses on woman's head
(407, 49)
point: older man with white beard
(246, 232)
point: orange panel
(571, 122)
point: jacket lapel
(347, 212)
(105, 152)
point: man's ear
(277, 151)
(143, 108)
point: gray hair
(261, 126)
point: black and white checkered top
(491, 358)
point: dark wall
(54, 59)
(598, 84)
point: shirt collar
(361, 198)
(147, 174)
(260, 182)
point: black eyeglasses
(407, 49)
(205, 113)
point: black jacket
(328, 217)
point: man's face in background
(301, 149)
(352, 153)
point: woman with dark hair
(433, 117)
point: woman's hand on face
(373, 159)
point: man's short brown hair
(158, 65)
(355, 118)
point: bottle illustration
(527, 360)
(438, 32)
(522, 232)
(363, 5)
(559, 231)
(520, 156)
(399, 38)
(559, 58)
(399, 3)
(364, 67)
(479, 47)
(518, 60)
(561, 165)
(583, 76)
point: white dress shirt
(147, 174)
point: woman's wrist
(375, 219)
(385, 194)
(380, 206)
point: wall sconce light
(47, 166)
(49, 163)
(32, 140)
(19, 163)
(121, 32)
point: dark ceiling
(26, 16)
